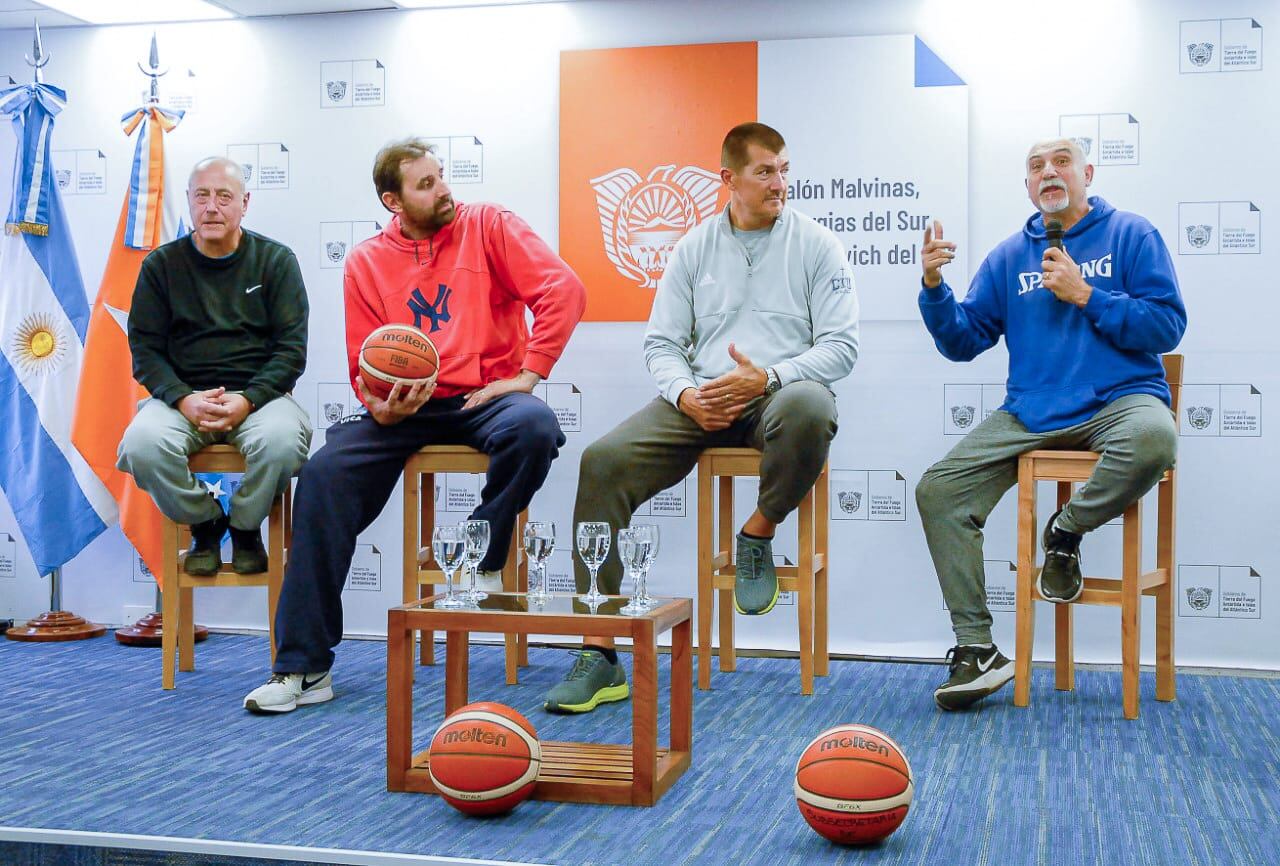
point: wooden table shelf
(637, 774)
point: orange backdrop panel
(641, 109)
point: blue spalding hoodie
(1067, 362)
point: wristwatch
(771, 381)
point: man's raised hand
(936, 253)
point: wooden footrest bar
(573, 772)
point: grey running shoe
(755, 588)
(591, 682)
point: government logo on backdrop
(640, 136)
(1200, 53)
(641, 220)
(1200, 417)
(1209, 45)
(1199, 236)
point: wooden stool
(178, 635)
(420, 577)
(808, 578)
(1073, 467)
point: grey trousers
(274, 440)
(659, 445)
(1136, 438)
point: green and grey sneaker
(591, 682)
(755, 588)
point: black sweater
(238, 322)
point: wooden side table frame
(635, 775)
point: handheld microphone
(1053, 232)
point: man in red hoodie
(464, 274)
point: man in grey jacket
(754, 319)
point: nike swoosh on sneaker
(981, 667)
(252, 289)
(306, 685)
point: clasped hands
(215, 410)
(718, 403)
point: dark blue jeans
(343, 488)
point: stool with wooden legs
(1074, 467)
(421, 574)
(177, 641)
(716, 571)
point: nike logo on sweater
(252, 289)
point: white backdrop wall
(1191, 143)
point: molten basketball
(397, 353)
(485, 759)
(853, 785)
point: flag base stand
(149, 631)
(56, 625)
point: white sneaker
(489, 581)
(284, 693)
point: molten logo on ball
(485, 759)
(397, 354)
(853, 785)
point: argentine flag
(59, 503)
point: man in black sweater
(218, 332)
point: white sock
(981, 645)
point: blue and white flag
(58, 501)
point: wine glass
(539, 542)
(593, 547)
(477, 536)
(643, 543)
(449, 547)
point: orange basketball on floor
(853, 784)
(397, 353)
(485, 759)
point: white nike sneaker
(284, 693)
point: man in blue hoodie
(1085, 321)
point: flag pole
(149, 630)
(56, 624)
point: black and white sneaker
(283, 693)
(1060, 580)
(975, 673)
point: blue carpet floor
(89, 741)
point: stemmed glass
(638, 547)
(477, 536)
(449, 546)
(593, 547)
(539, 543)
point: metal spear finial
(37, 58)
(154, 71)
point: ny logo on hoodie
(437, 311)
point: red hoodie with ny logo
(467, 287)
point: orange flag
(108, 395)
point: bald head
(216, 166)
(218, 201)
